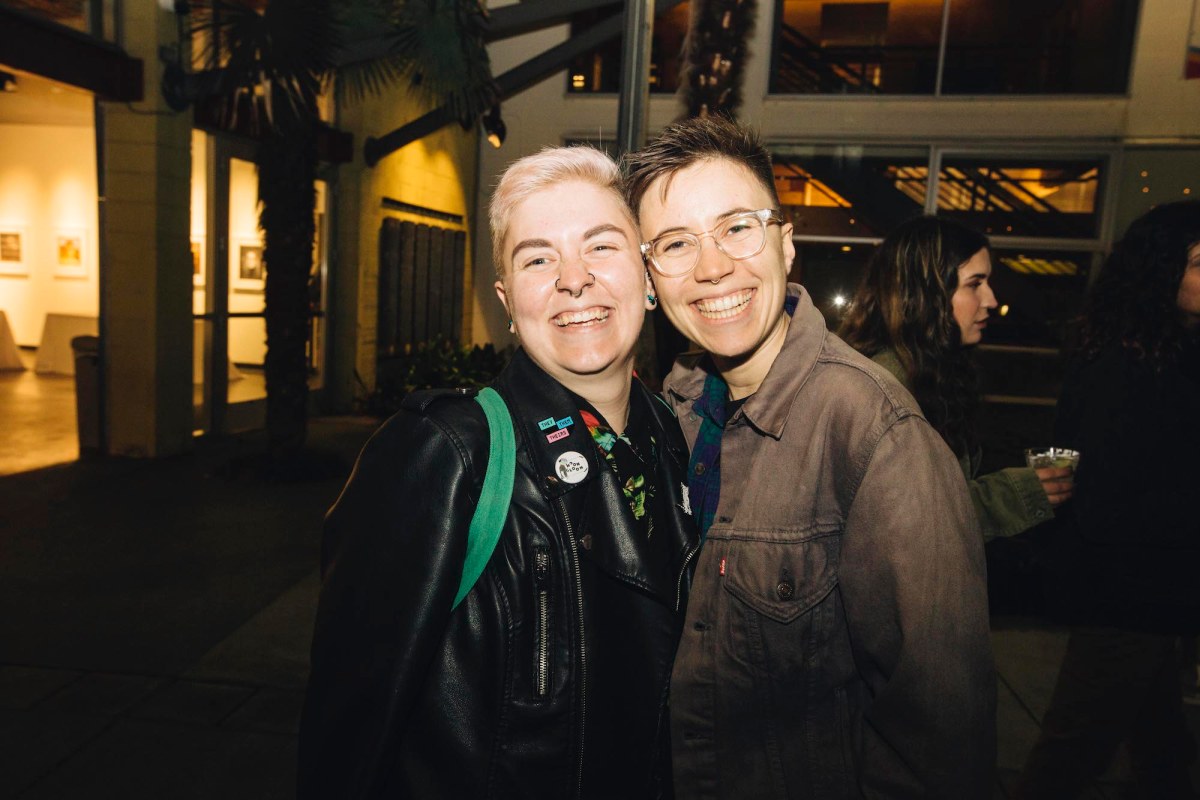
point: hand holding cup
(1055, 468)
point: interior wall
(48, 190)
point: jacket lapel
(601, 521)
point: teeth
(724, 307)
(584, 317)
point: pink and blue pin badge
(560, 427)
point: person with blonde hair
(550, 679)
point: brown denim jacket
(836, 641)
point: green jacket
(1008, 501)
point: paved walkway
(157, 617)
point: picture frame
(198, 264)
(13, 251)
(249, 271)
(70, 253)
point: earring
(511, 328)
(652, 300)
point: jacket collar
(769, 408)
(615, 544)
(539, 406)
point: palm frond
(436, 47)
(273, 63)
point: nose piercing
(714, 281)
(591, 282)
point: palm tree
(271, 60)
(715, 56)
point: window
(94, 17)
(1039, 293)
(1022, 198)
(1033, 47)
(1042, 214)
(856, 48)
(600, 70)
(850, 191)
(990, 47)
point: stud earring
(652, 300)
(511, 328)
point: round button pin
(571, 467)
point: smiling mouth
(724, 307)
(581, 319)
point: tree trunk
(287, 171)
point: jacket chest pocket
(782, 579)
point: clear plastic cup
(1039, 457)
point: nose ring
(714, 281)
(591, 282)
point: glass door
(229, 282)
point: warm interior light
(839, 300)
(1004, 310)
(845, 248)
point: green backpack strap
(494, 497)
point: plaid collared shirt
(704, 468)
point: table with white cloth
(54, 354)
(10, 357)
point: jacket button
(785, 590)
(700, 468)
(586, 541)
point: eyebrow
(605, 227)
(733, 212)
(521, 245)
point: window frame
(938, 94)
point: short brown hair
(689, 142)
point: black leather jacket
(550, 679)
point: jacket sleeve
(1009, 501)
(398, 540)
(913, 581)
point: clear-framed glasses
(740, 237)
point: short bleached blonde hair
(531, 174)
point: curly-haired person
(1124, 559)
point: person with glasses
(836, 643)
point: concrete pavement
(157, 617)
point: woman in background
(923, 302)
(1124, 561)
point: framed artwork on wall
(12, 251)
(70, 253)
(197, 261)
(249, 271)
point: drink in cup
(1040, 457)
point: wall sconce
(494, 126)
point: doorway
(228, 284)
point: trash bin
(87, 392)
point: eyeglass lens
(738, 237)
